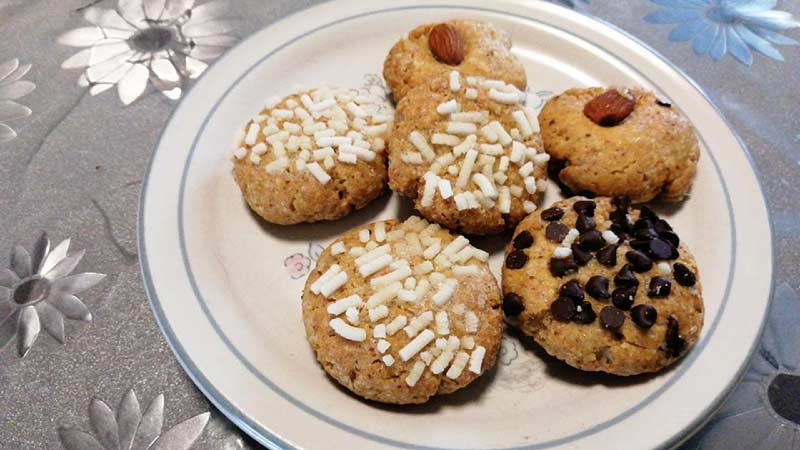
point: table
(76, 134)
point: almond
(609, 108)
(446, 44)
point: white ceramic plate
(225, 287)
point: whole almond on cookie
(609, 108)
(446, 44)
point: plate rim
(267, 436)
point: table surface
(75, 140)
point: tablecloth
(77, 127)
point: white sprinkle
(530, 185)
(442, 323)
(443, 360)
(399, 274)
(485, 184)
(540, 159)
(415, 373)
(332, 285)
(376, 130)
(319, 173)
(363, 235)
(532, 120)
(508, 98)
(322, 106)
(472, 80)
(476, 359)
(562, 252)
(502, 135)
(255, 159)
(260, 148)
(418, 141)
(459, 363)
(522, 123)
(377, 313)
(410, 283)
(371, 245)
(327, 275)
(469, 270)
(305, 154)
(541, 185)
(388, 360)
(277, 165)
(663, 267)
(381, 118)
(349, 158)
(347, 331)
(396, 325)
(337, 248)
(447, 107)
(302, 114)
(426, 357)
(526, 169)
(341, 305)
(307, 102)
(322, 153)
(471, 322)
(569, 239)
(292, 127)
(528, 206)
(455, 245)
(445, 189)
(445, 139)
(383, 295)
(455, 81)
(270, 129)
(441, 343)
(471, 93)
(517, 152)
(610, 237)
(504, 201)
(466, 169)
(461, 128)
(372, 254)
(352, 315)
(488, 132)
(356, 110)
(442, 262)
(432, 251)
(374, 265)
(467, 342)
(379, 332)
(411, 157)
(252, 134)
(383, 345)
(445, 293)
(428, 191)
(407, 295)
(496, 84)
(416, 345)
(422, 288)
(418, 323)
(282, 113)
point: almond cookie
(620, 141)
(603, 286)
(400, 312)
(314, 155)
(467, 151)
(472, 47)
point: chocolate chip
(670, 237)
(523, 240)
(611, 317)
(663, 103)
(662, 225)
(620, 224)
(585, 223)
(571, 289)
(584, 207)
(659, 249)
(675, 343)
(556, 232)
(608, 255)
(646, 212)
(563, 309)
(622, 202)
(591, 240)
(646, 233)
(516, 259)
(552, 214)
(512, 304)
(626, 277)
(581, 257)
(644, 315)
(586, 315)
(683, 275)
(659, 287)
(560, 267)
(639, 261)
(675, 254)
(640, 244)
(643, 223)
(623, 297)
(597, 287)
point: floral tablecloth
(85, 89)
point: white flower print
(13, 87)
(164, 41)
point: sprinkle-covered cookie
(314, 155)
(616, 292)
(467, 151)
(619, 141)
(400, 312)
(472, 47)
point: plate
(225, 286)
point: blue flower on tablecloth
(764, 410)
(165, 42)
(717, 27)
(12, 87)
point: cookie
(603, 286)
(472, 47)
(467, 152)
(314, 155)
(400, 312)
(626, 142)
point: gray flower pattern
(13, 87)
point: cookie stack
(398, 312)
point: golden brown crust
(590, 347)
(417, 112)
(358, 365)
(410, 62)
(291, 196)
(652, 153)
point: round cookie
(467, 151)
(314, 155)
(626, 308)
(652, 153)
(486, 53)
(400, 312)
